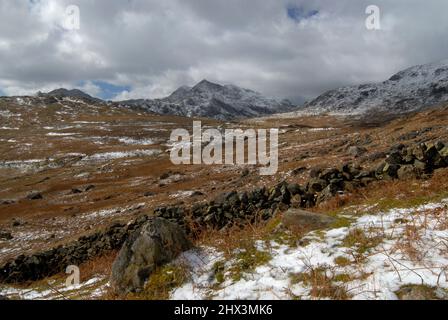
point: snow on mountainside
(409, 90)
(212, 100)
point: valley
(71, 167)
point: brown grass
(391, 194)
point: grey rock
(157, 242)
(296, 219)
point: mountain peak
(205, 84)
(73, 93)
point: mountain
(74, 93)
(211, 100)
(409, 90)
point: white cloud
(156, 46)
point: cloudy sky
(144, 48)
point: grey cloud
(156, 46)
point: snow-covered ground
(372, 258)
(410, 246)
(91, 289)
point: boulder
(409, 172)
(296, 219)
(157, 242)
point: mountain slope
(408, 90)
(212, 100)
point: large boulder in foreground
(157, 242)
(297, 220)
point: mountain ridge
(212, 100)
(411, 89)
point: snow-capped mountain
(212, 100)
(409, 90)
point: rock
(317, 185)
(407, 156)
(295, 189)
(298, 171)
(419, 152)
(34, 196)
(394, 158)
(390, 171)
(329, 192)
(409, 172)
(329, 174)
(439, 145)
(420, 166)
(431, 154)
(3, 298)
(356, 151)
(296, 219)
(5, 235)
(157, 242)
(444, 152)
(308, 200)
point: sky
(294, 49)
